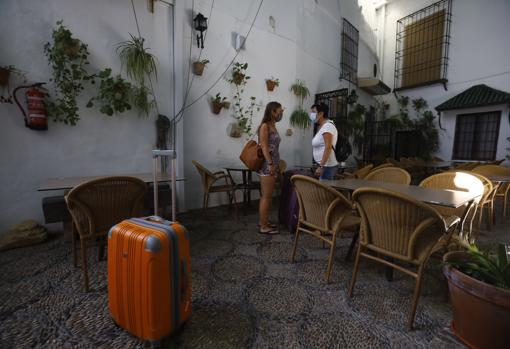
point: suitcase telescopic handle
(156, 153)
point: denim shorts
(329, 172)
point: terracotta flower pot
(217, 107)
(4, 76)
(481, 312)
(198, 68)
(238, 78)
(270, 84)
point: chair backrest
(397, 225)
(99, 204)
(386, 164)
(454, 180)
(487, 184)
(492, 170)
(319, 204)
(283, 167)
(362, 172)
(390, 175)
(206, 175)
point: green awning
(476, 96)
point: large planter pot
(217, 107)
(4, 76)
(198, 68)
(481, 312)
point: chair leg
(234, 200)
(84, 264)
(480, 219)
(505, 199)
(293, 255)
(416, 296)
(73, 248)
(206, 201)
(331, 258)
(355, 271)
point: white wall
(478, 54)
(305, 45)
(99, 144)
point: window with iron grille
(423, 39)
(349, 63)
(476, 136)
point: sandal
(270, 225)
(271, 231)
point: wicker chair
(360, 173)
(97, 205)
(460, 181)
(401, 228)
(390, 175)
(504, 188)
(487, 200)
(323, 212)
(209, 180)
(386, 164)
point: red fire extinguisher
(36, 117)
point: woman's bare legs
(267, 186)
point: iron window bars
(423, 39)
(349, 63)
(476, 136)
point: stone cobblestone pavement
(246, 294)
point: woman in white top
(323, 142)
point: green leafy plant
(140, 65)
(137, 60)
(218, 99)
(219, 102)
(68, 57)
(422, 123)
(493, 269)
(243, 114)
(204, 61)
(239, 76)
(116, 95)
(354, 126)
(299, 117)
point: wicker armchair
(390, 175)
(503, 189)
(460, 181)
(386, 164)
(323, 212)
(360, 173)
(97, 205)
(209, 180)
(401, 228)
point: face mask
(313, 116)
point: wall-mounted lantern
(200, 24)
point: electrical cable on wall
(179, 115)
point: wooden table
(442, 197)
(66, 183)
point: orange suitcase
(149, 274)
(149, 277)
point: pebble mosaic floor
(246, 294)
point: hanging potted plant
(218, 103)
(272, 83)
(299, 117)
(479, 285)
(6, 72)
(239, 73)
(113, 95)
(140, 65)
(68, 57)
(199, 66)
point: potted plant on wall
(6, 72)
(479, 285)
(140, 66)
(199, 66)
(218, 103)
(272, 83)
(299, 117)
(68, 57)
(239, 76)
